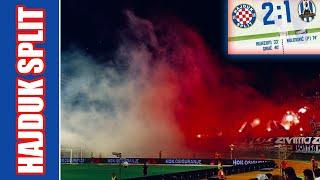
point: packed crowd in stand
(286, 172)
(290, 174)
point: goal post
(72, 155)
(66, 155)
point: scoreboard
(273, 27)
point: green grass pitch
(104, 172)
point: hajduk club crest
(244, 16)
(307, 10)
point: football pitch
(104, 172)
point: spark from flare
(255, 122)
(243, 126)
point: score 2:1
(269, 6)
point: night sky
(94, 26)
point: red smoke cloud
(173, 95)
(209, 101)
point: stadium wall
(235, 162)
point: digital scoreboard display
(156, 88)
(273, 27)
